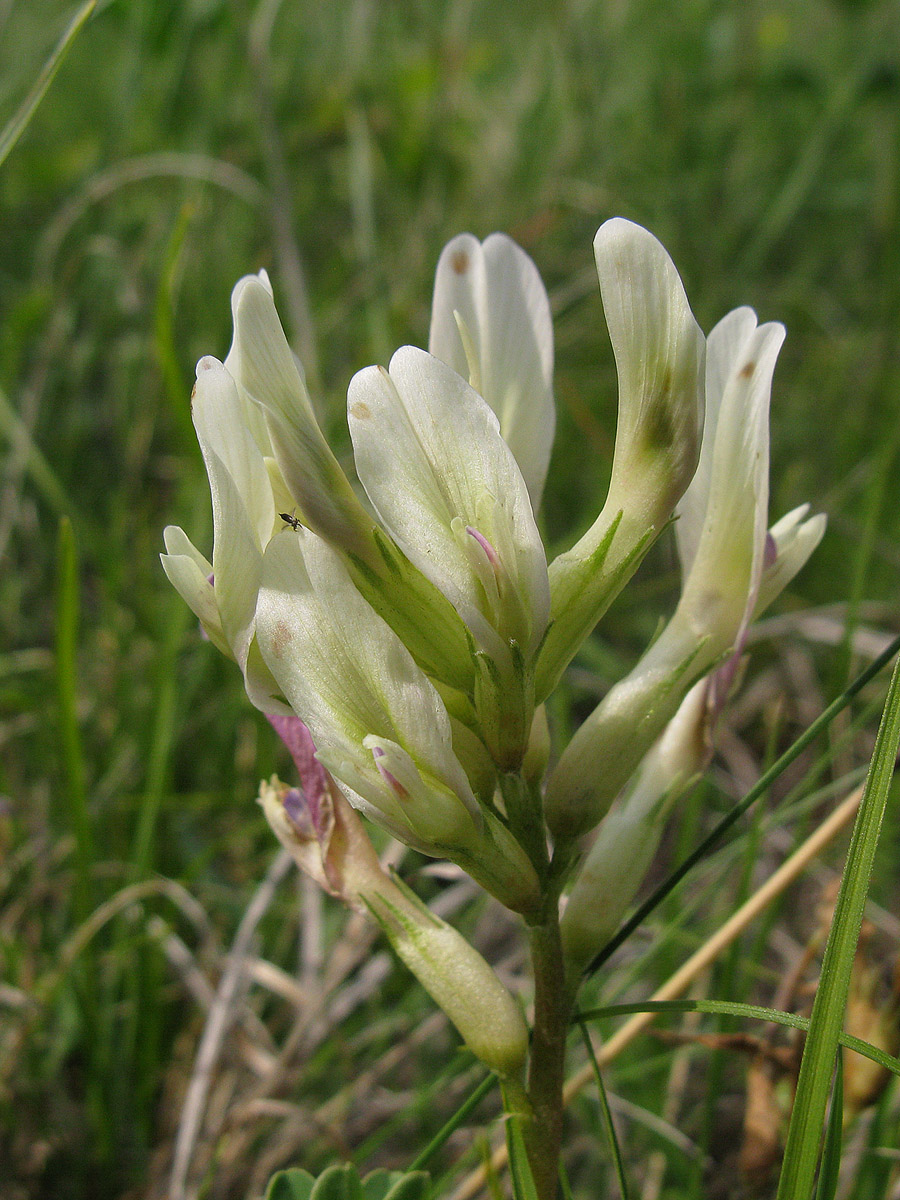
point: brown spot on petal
(281, 639)
(459, 261)
(360, 410)
(747, 370)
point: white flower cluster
(417, 635)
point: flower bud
(328, 842)
(628, 836)
(455, 976)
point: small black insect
(290, 519)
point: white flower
(223, 593)
(378, 724)
(728, 571)
(659, 350)
(490, 321)
(446, 486)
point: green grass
(169, 156)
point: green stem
(552, 1007)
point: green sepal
(581, 592)
(420, 615)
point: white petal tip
(208, 363)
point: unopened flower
(629, 834)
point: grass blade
(829, 1172)
(17, 124)
(734, 1008)
(75, 802)
(759, 789)
(614, 1147)
(802, 1148)
(446, 1131)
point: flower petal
(189, 573)
(222, 431)
(253, 414)
(346, 674)
(795, 540)
(659, 350)
(720, 589)
(495, 290)
(430, 456)
(268, 372)
(723, 348)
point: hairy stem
(552, 1007)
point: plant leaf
(801, 1154)
(290, 1185)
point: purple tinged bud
(490, 552)
(313, 799)
(297, 811)
(770, 552)
(391, 780)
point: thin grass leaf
(13, 428)
(759, 789)
(734, 1008)
(446, 1131)
(829, 1172)
(74, 808)
(606, 1116)
(17, 124)
(804, 1132)
(177, 388)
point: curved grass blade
(17, 124)
(735, 1008)
(801, 1153)
(610, 1129)
(759, 789)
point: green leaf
(17, 124)
(340, 1182)
(801, 1154)
(397, 1185)
(829, 1172)
(290, 1185)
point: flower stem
(543, 1136)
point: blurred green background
(340, 146)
